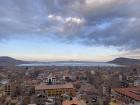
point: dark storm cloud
(123, 33)
(90, 22)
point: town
(62, 85)
(69, 52)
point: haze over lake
(100, 64)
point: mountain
(125, 61)
(8, 61)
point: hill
(125, 61)
(8, 61)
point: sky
(87, 30)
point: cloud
(55, 18)
(89, 22)
(75, 20)
(120, 33)
(66, 27)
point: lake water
(94, 64)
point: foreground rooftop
(133, 93)
(74, 101)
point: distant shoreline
(95, 64)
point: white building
(50, 80)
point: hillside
(125, 61)
(6, 61)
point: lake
(94, 64)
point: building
(31, 83)
(30, 86)
(55, 90)
(2, 93)
(137, 82)
(50, 102)
(73, 101)
(106, 89)
(40, 99)
(43, 100)
(50, 80)
(9, 88)
(128, 96)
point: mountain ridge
(5, 60)
(125, 61)
(9, 61)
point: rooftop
(61, 86)
(133, 93)
(74, 101)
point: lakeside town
(69, 52)
(69, 85)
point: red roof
(134, 92)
